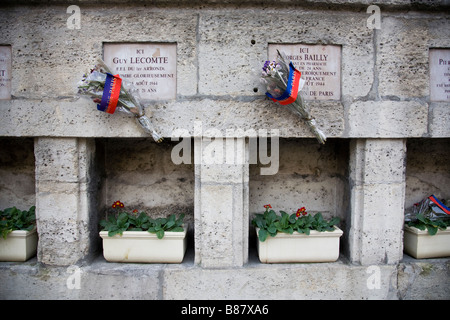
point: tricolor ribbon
(291, 92)
(111, 93)
(439, 204)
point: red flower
(267, 206)
(135, 211)
(301, 211)
(118, 204)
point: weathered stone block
(214, 232)
(221, 211)
(439, 119)
(423, 279)
(65, 199)
(282, 282)
(402, 57)
(59, 56)
(387, 119)
(376, 204)
(383, 161)
(220, 69)
(57, 160)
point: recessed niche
(17, 173)
(427, 169)
(309, 175)
(142, 175)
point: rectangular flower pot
(144, 247)
(19, 245)
(299, 247)
(419, 244)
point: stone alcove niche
(141, 174)
(17, 173)
(427, 170)
(309, 175)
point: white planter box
(19, 245)
(299, 247)
(145, 247)
(419, 244)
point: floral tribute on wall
(284, 85)
(430, 214)
(112, 93)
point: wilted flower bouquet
(284, 85)
(430, 214)
(112, 93)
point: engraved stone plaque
(320, 66)
(440, 75)
(5, 72)
(151, 67)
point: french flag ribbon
(290, 95)
(439, 204)
(111, 93)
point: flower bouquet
(427, 229)
(430, 214)
(284, 85)
(113, 93)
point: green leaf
(287, 230)
(160, 234)
(293, 218)
(15, 219)
(169, 224)
(432, 230)
(112, 233)
(334, 221)
(262, 235)
(122, 218)
(272, 230)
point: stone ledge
(361, 119)
(410, 279)
(421, 4)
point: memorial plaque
(151, 67)
(320, 66)
(440, 75)
(5, 72)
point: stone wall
(387, 146)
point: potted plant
(427, 230)
(135, 237)
(299, 237)
(18, 241)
